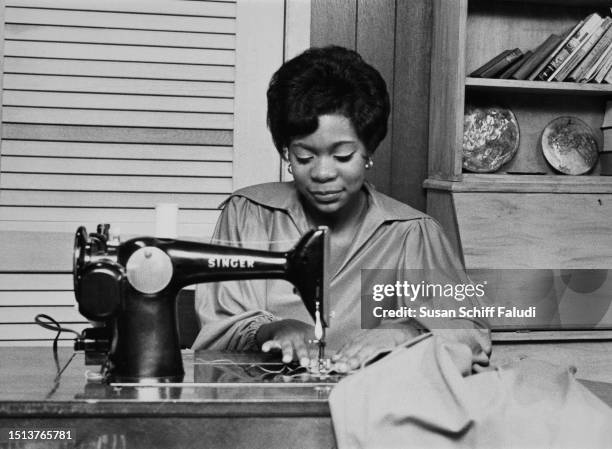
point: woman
(327, 113)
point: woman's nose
(324, 170)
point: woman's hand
(290, 336)
(368, 343)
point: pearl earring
(290, 169)
(369, 164)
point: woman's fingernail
(286, 359)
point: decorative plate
(490, 138)
(569, 145)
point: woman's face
(329, 165)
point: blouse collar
(284, 196)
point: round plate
(569, 145)
(490, 138)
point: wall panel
(376, 44)
(395, 37)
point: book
(608, 77)
(582, 35)
(502, 64)
(566, 37)
(581, 51)
(595, 59)
(562, 53)
(596, 67)
(599, 42)
(605, 155)
(607, 123)
(515, 65)
(537, 56)
(606, 65)
(487, 65)
(577, 37)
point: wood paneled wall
(395, 37)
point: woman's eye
(344, 157)
(303, 159)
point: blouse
(392, 238)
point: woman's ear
(286, 154)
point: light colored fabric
(392, 236)
(427, 400)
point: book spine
(607, 118)
(590, 51)
(552, 66)
(608, 76)
(587, 68)
(543, 49)
(566, 37)
(596, 68)
(490, 63)
(515, 65)
(574, 59)
(501, 65)
(605, 66)
(571, 45)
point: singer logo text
(231, 262)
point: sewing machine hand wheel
(98, 284)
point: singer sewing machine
(131, 289)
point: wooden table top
(215, 384)
(219, 384)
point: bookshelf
(468, 33)
(533, 87)
(525, 215)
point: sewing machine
(129, 289)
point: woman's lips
(327, 196)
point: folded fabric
(418, 397)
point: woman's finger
(269, 345)
(301, 351)
(342, 361)
(359, 358)
(287, 348)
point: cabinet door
(546, 250)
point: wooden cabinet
(538, 218)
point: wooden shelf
(536, 87)
(504, 183)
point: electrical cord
(49, 323)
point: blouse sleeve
(231, 312)
(428, 253)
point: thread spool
(166, 220)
